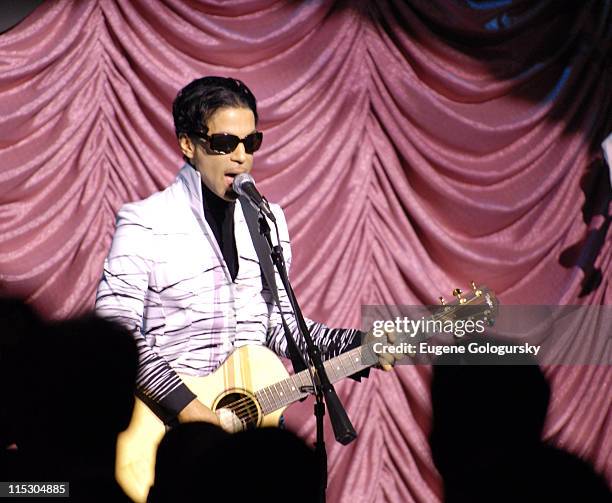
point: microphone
(244, 185)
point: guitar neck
(299, 385)
(478, 304)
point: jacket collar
(190, 180)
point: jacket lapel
(191, 182)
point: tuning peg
(442, 301)
(457, 293)
(476, 290)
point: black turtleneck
(219, 214)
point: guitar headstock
(478, 303)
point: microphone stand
(322, 388)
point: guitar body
(248, 369)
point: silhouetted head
(179, 458)
(19, 323)
(266, 464)
(485, 409)
(77, 382)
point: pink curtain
(413, 145)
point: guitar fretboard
(482, 303)
(299, 385)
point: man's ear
(186, 146)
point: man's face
(219, 170)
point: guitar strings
(246, 408)
(243, 408)
(246, 405)
(243, 404)
(247, 402)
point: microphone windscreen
(240, 181)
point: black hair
(200, 99)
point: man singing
(182, 272)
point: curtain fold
(414, 146)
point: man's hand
(229, 421)
(386, 360)
(197, 411)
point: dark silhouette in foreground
(75, 395)
(200, 462)
(488, 419)
(19, 323)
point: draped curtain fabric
(413, 145)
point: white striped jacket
(166, 280)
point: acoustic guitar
(255, 386)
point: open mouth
(230, 175)
(229, 178)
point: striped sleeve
(121, 297)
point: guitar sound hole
(243, 405)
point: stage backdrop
(413, 146)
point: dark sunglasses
(225, 143)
